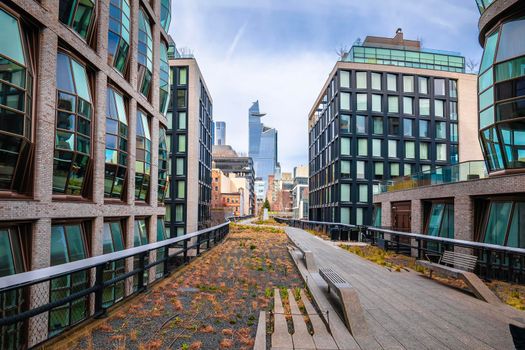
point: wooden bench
(309, 259)
(351, 306)
(460, 266)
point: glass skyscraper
(262, 144)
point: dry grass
(392, 261)
(319, 234)
(269, 222)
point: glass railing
(424, 58)
(484, 4)
(466, 171)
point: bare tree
(472, 65)
(342, 52)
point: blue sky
(281, 52)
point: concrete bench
(459, 266)
(309, 259)
(351, 306)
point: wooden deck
(405, 310)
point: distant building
(260, 193)
(190, 137)
(300, 192)
(240, 170)
(220, 133)
(227, 198)
(388, 109)
(262, 144)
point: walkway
(405, 310)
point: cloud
(235, 41)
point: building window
(362, 102)
(391, 80)
(145, 54)
(376, 81)
(345, 123)
(408, 105)
(181, 144)
(439, 87)
(439, 108)
(162, 235)
(179, 213)
(441, 152)
(118, 34)
(441, 130)
(453, 110)
(423, 85)
(345, 193)
(376, 216)
(378, 125)
(344, 79)
(140, 238)
(360, 169)
(345, 169)
(73, 127)
(392, 148)
(113, 241)
(181, 120)
(77, 15)
(345, 101)
(179, 170)
(423, 128)
(361, 80)
(345, 215)
(393, 104)
(116, 145)
(363, 193)
(143, 157)
(423, 150)
(379, 170)
(183, 76)
(16, 108)
(376, 103)
(410, 150)
(453, 88)
(492, 148)
(441, 221)
(424, 106)
(408, 83)
(359, 213)
(345, 146)
(68, 244)
(393, 126)
(164, 79)
(394, 169)
(181, 190)
(362, 147)
(453, 132)
(376, 147)
(163, 165)
(361, 123)
(165, 14)
(181, 98)
(408, 127)
(409, 169)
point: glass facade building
(262, 144)
(81, 140)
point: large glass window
(441, 152)
(376, 81)
(165, 14)
(453, 88)
(423, 85)
(118, 34)
(362, 147)
(516, 235)
(345, 146)
(394, 169)
(16, 86)
(393, 126)
(376, 103)
(453, 111)
(77, 14)
(345, 123)
(362, 102)
(361, 80)
(164, 81)
(363, 193)
(140, 238)
(361, 124)
(345, 215)
(408, 105)
(345, 193)
(163, 165)
(408, 127)
(74, 111)
(513, 138)
(360, 169)
(376, 147)
(410, 149)
(344, 79)
(143, 157)
(379, 170)
(424, 128)
(113, 241)
(441, 130)
(489, 53)
(378, 125)
(393, 104)
(116, 145)
(439, 108)
(424, 106)
(511, 40)
(498, 221)
(162, 235)
(145, 54)
(68, 244)
(345, 101)
(392, 148)
(441, 221)
(345, 169)
(391, 82)
(439, 87)
(408, 83)
(423, 150)
(492, 147)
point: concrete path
(405, 310)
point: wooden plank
(280, 337)
(322, 339)
(302, 339)
(260, 337)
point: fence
(494, 261)
(41, 304)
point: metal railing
(342, 232)
(494, 261)
(239, 218)
(46, 302)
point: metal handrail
(44, 274)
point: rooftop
(398, 51)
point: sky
(281, 52)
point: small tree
(472, 65)
(266, 204)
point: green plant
(252, 246)
(268, 292)
(185, 346)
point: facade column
(463, 221)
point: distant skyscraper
(263, 144)
(220, 133)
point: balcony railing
(466, 171)
(37, 318)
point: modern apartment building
(262, 144)
(82, 125)
(478, 201)
(189, 135)
(388, 109)
(220, 133)
(300, 192)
